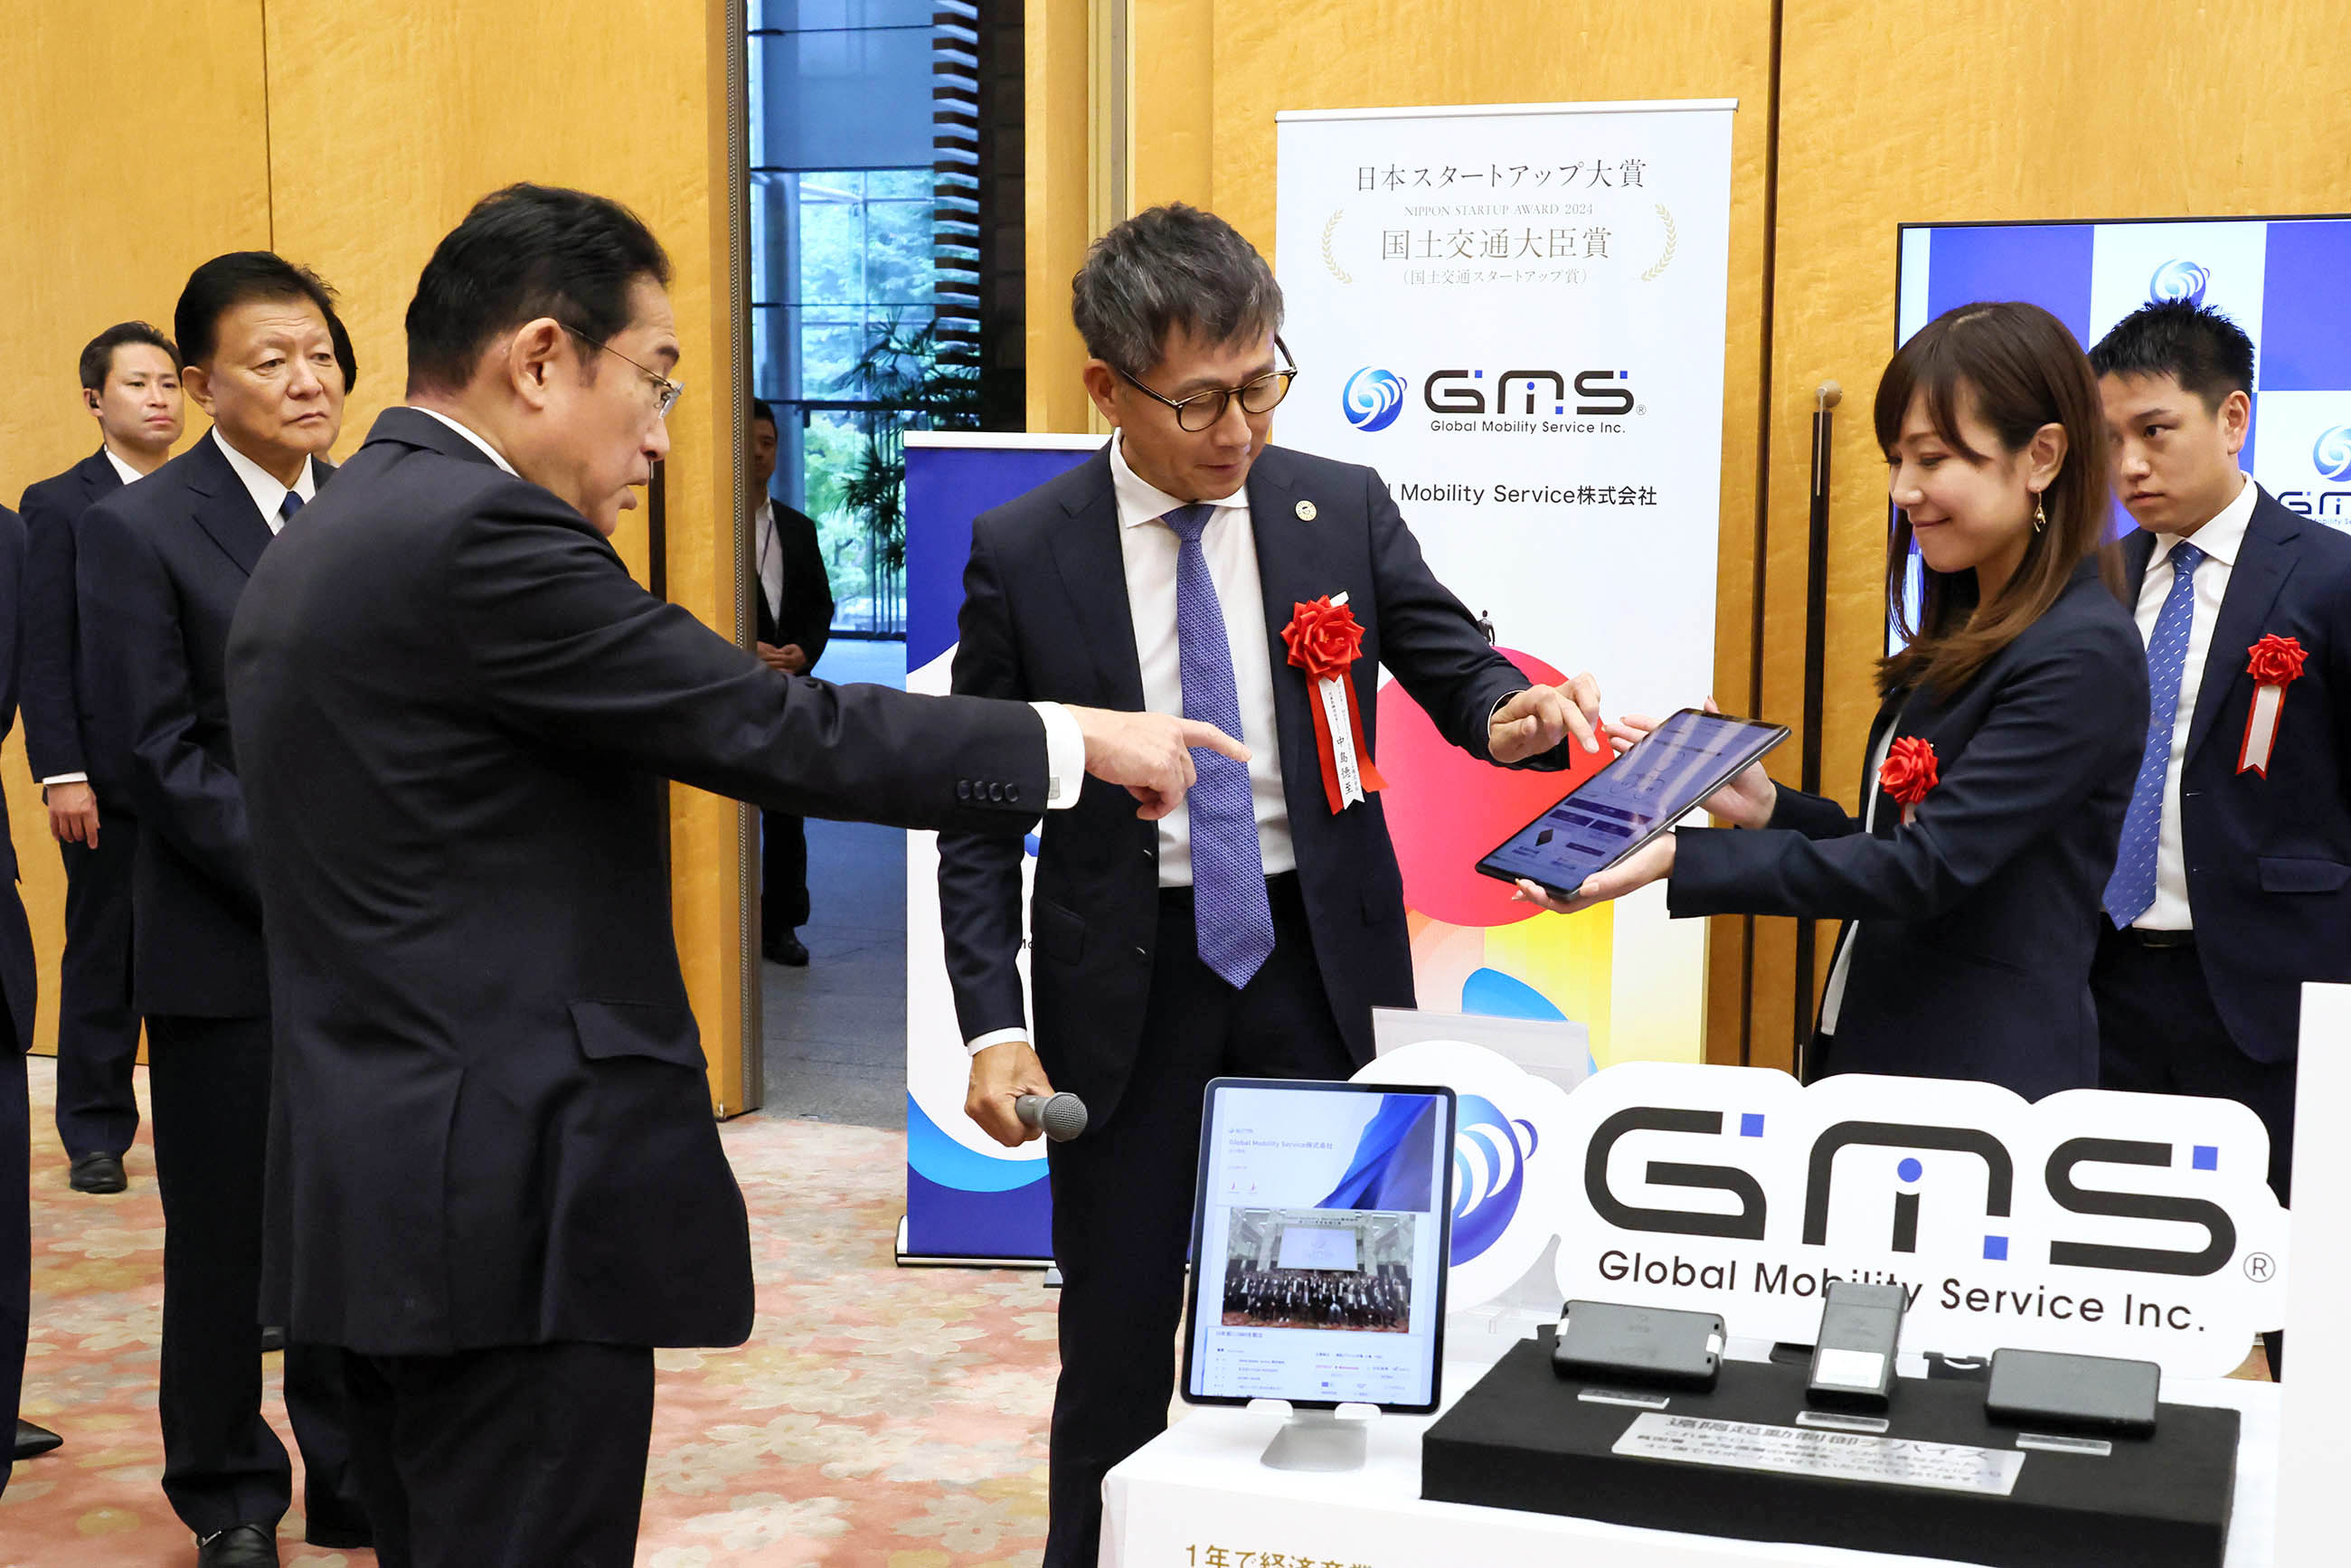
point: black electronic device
(1646, 1345)
(1659, 780)
(2073, 1393)
(1853, 1360)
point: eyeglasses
(1201, 410)
(668, 390)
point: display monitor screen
(1319, 1235)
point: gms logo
(2103, 1224)
(2331, 454)
(1490, 1151)
(2178, 279)
(1372, 399)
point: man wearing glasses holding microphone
(1192, 568)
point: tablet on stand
(1321, 1226)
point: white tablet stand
(1319, 1440)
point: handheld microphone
(1063, 1117)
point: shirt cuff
(980, 1042)
(1065, 759)
(65, 778)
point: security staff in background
(1253, 931)
(454, 711)
(131, 384)
(2233, 885)
(162, 565)
(794, 601)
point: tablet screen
(1320, 1236)
(1631, 800)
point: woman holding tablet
(2002, 759)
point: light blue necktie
(2131, 890)
(1230, 915)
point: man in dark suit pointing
(493, 1148)
(162, 565)
(1253, 931)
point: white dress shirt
(1148, 548)
(2220, 540)
(266, 492)
(767, 557)
(488, 450)
(129, 476)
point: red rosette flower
(1909, 769)
(1323, 638)
(2275, 661)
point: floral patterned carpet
(879, 1416)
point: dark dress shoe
(241, 1546)
(272, 1339)
(32, 1439)
(787, 949)
(97, 1173)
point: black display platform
(1523, 1438)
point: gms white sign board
(2105, 1224)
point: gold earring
(2039, 518)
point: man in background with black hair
(794, 601)
(131, 384)
(2234, 883)
(162, 565)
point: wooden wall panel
(135, 147)
(1987, 109)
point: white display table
(1197, 1498)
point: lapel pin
(1305, 511)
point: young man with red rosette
(1191, 567)
(2233, 885)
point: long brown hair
(2016, 368)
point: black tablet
(1632, 799)
(1321, 1231)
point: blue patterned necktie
(2130, 892)
(1229, 912)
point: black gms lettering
(1747, 1225)
(1999, 1171)
(2220, 1231)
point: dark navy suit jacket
(1974, 926)
(1045, 618)
(55, 722)
(2269, 858)
(16, 972)
(160, 566)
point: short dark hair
(525, 251)
(240, 278)
(759, 411)
(1168, 268)
(97, 355)
(2195, 345)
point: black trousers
(223, 1465)
(783, 875)
(2159, 1033)
(520, 1457)
(15, 1241)
(98, 1029)
(1123, 1195)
